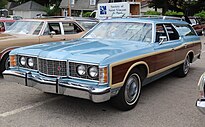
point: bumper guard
(58, 86)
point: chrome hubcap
(132, 89)
(186, 65)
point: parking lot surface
(167, 102)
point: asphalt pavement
(167, 102)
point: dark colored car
(197, 23)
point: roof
(29, 6)
(11, 5)
(6, 20)
(146, 20)
(81, 4)
(47, 19)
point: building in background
(11, 5)
(78, 7)
(28, 10)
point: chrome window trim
(43, 28)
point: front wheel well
(142, 69)
(5, 54)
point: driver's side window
(160, 33)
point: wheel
(184, 68)
(129, 94)
(5, 63)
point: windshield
(122, 30)
(25, 27)
(8, 24)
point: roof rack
(155, 17)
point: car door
(167, 39)
(72, 30)
(52, 32)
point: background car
(112, 61)
(5, 24)
(197, 23)
(35, 31)
(200, 103)
(86, 22)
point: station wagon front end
(112, 61)
(84, 80)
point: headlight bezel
(74, 74)
(93, 68)
(81, 70)
(27, 65)
(20, 61)
(28, 62)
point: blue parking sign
(103, 10)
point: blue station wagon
(111, 62)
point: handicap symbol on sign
(103, 10)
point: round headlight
(23, 61)
(30, 62)
(81, 70)
(93, 72)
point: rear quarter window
(185, 30)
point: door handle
(185, 45)
(63, 39)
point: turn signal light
(13, 60)
(103, 76)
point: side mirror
(162, 39)
(52, 33)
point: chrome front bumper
(200, 104)
(59, 86)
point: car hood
(82, 50)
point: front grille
(73, 71)
(52, 67)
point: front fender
(5, 51)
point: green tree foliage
(174, 13)
(47, 3)
(52, 11)
(3, 3)
(152, 13)
(188, 7)
(86, 14)
(42, 2)
(200, 14)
